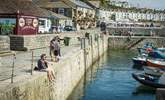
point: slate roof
(77, 3)
(95, 4)
(58, 4)
(80, 4)
(26, 8)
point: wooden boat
(156, 63)
(148, 80)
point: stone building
(23, 17)
(82, 15)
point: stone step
(6, 53)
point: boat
(140, 60)
(153, 71)
(162, 49)
(156, 63)
(156, 54)
(148, 80)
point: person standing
(52, 49)
(56, 49)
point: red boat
(156, 63)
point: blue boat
(156, 54)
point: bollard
(32, 62)
(12, 73)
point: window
(61, 11)
(42, 23)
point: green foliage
(6, 28)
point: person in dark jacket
(103, 27)
(55, 48)
(43, 66)
(52, 49)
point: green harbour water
(110, 79)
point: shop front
(17, 24)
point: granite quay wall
(137, 31)
(125, 42)
(68, 72)
(28, 42)
(4, 44)
(160, 94)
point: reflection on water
(110, 79)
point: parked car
(69, 28)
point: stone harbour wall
(68, 71)
(27, 42)
(124, 42)
(4, 43)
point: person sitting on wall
(43, 66)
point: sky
(156, 4)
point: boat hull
(139, 61)
(147, 82)
(158, 64)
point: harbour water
(110, 79)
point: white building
(122, 10)
(136, 16)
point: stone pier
(125, 42)
(68, 71)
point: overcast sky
(158, 4)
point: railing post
(12, 73)
(0, 62)
(32, 62)
(81, 40)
